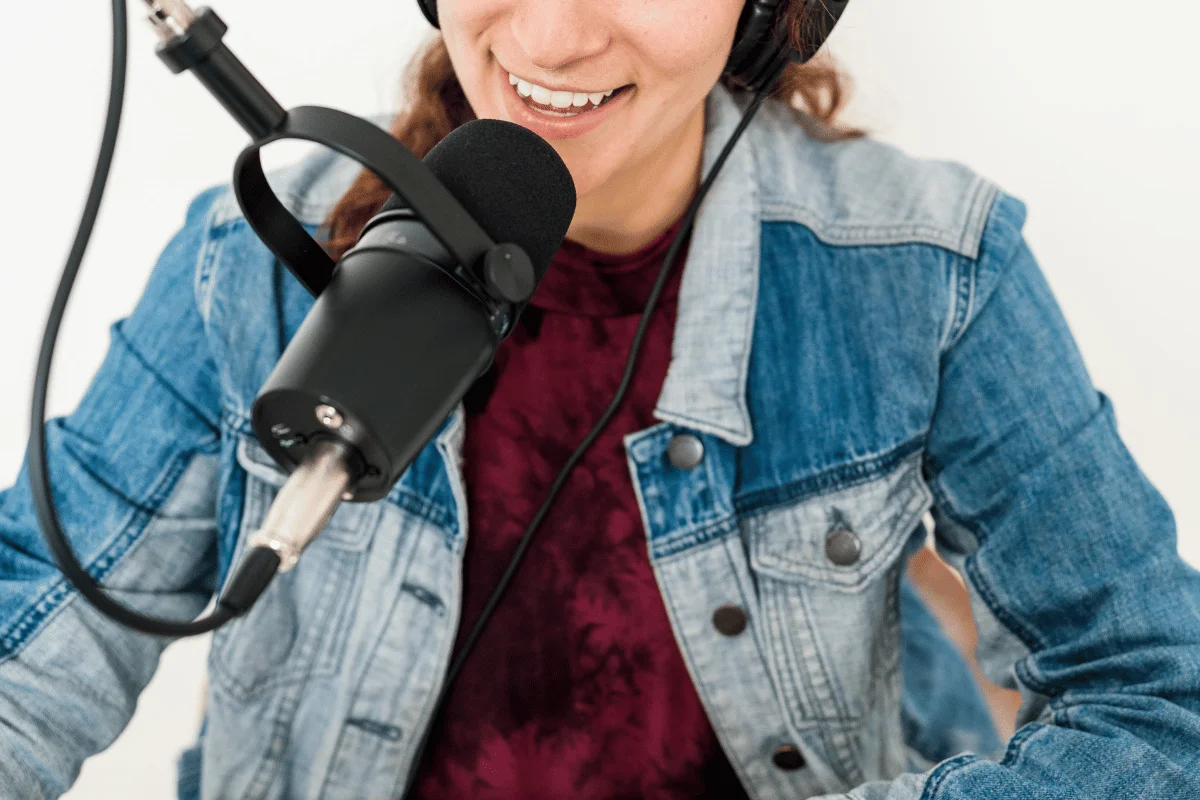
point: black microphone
(401, 332)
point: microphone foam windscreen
(511, 181)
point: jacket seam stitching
(1026, 634)
(1005, 268)
(702, 686)
(127, 343)
(1016, 745)
(863, 234)
(963, 304)
(952, 306)
(208, 255)
(754, 269)
(940, 773)
(840, 477)
(685, 420)
(837, 689)
(60, 593)
(689, 539)
(981, 586)
(982, 198)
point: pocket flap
(843, 538)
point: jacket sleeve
(134, 476)
(1069, 553)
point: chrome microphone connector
(169, 18)
(306, 502)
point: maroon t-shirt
(576, 688)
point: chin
(583, 172)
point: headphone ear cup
(429, 9)
(748, 39)
(757, 46)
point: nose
(555, 33)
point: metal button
(843, 547)
(685, 450)
(788, 757)
(729, 620)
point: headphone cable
(614, 404)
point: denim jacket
(866, 351)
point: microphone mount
(192, 40)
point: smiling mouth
(527, 90)
(570, 111)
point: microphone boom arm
(192, 41)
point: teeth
(557, 99)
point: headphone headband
(758, 46)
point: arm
(134, 475)
(1068, 552)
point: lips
(573, 110)
(553, 124)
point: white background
(1084, 109)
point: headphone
(759, 47)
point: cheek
(467, 26)
(463, 26)
(468, 14)
(684, 40)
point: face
(666, 53)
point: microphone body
(391, 345)
(396, 339)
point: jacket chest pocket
(297, 630)
(827, 571)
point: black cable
(626, 379)
(261, 565)
(258, 568)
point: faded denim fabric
(864, 341)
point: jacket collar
(705, 387)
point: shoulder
(864, 191)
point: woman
(715, 605)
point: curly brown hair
(816, 93)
